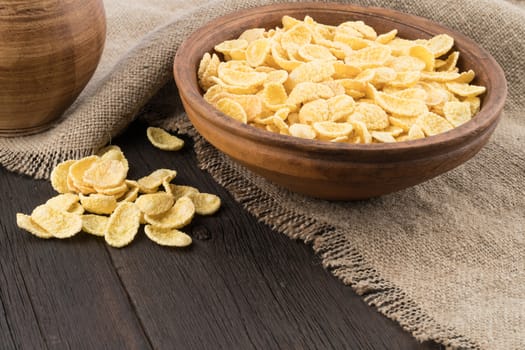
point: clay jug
(49, 49)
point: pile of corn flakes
(343, 83)
(96, 197)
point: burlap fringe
(336, 252)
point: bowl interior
(488, 72)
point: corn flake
(60, 224)
(163, 140)
(123, 225)
(168, 237)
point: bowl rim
(490, 111)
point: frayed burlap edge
(337, 254)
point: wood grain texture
(58, 294)
(240, 285)
(48, 52)
(338, 170)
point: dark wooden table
(239, 286)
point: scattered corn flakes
(117, 212)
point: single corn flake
(59, 176)
(155, 203)
(113, 152)
(415, 132)
(206, 203)
(94, 224)
(401, 106)
(232, 109)
(76, 174)
(105, 173)
(332, 130)
(371, 114)
(308, 91)
(98, 203)
(25, 222)
(123, 225)
(465, 90)
(63, 202)
(433, 124)
(440, 44)
(177, 216)
(179, 191)
(257, 52)
(314, 111)
(304, 131)
(168, 237)
(59, 223)
(456, 112)
(361, 131)
(383, 137)
(151, 182)
(163, 140)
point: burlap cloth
(445, 259)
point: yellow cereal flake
(308, 91)
(456, 112)
(94, 224)
(113, 152)
(179, 191)
(374, 117)
(105, 173)
(340, 107)
(433, 124)
(415, 132)
(168, 237)
(257, 51)
(440, 44)
(424, 54)
(232, 109)
(304, 131)
(76, 173)
(155, 203)
(465, 90)
(151, 182)
(123, 225)
(382, 136)
(314, 71)
(401, 106)
(361, 131)
(332, 130)
(163, 140)
(59, 176)
(205, 203)
(63, 202)
(25, 222)
(60, 224)
(179, 215)
(98, 203)
(314, 111)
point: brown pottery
(49, 50)
(335, 170)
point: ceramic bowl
(338, 171)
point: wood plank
(241, 284)
(58, 294)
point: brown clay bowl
(333, 170)
(48, 52)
